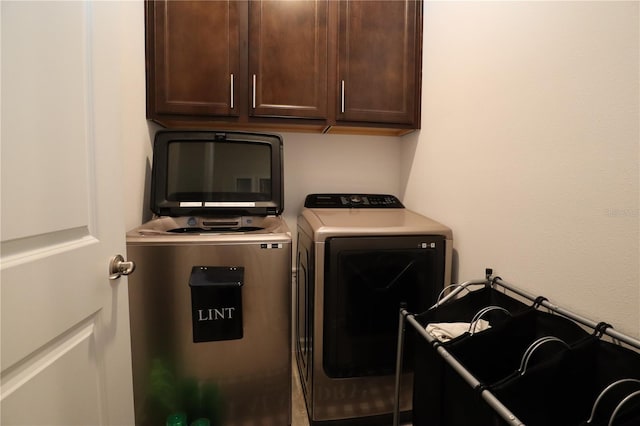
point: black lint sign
(216, 302)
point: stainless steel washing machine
(210, 299)
(358, 258)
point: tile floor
(298, 408)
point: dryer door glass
(367, 278)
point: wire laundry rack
(486, 394)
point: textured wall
(529, 147)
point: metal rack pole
(458, 289)
(399, 355)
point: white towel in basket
(445, 331)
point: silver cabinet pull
(118, 267)
(231, 100)
(253, 102)
(342, 96)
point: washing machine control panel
(333, 201)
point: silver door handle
(342, 96)
(253, 102)
(231, 103)
(118, 267)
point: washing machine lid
(214, 173)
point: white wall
(529, 147)
(137, 152)
(332, 163)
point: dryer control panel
(348, 201)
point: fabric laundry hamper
(496, 353)
(561, 391)
(545, 368)
(429, 367)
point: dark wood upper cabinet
(311, 65)
(193, 54)
(288, 58)
(379, 44)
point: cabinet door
(193, 49)
(288, 58)
(378, 73)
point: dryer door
(366, 279)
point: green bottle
(201, 422)
(177, 419)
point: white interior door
(64, 325)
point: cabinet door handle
(253, 97)
(232, 94)
(342, 96)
